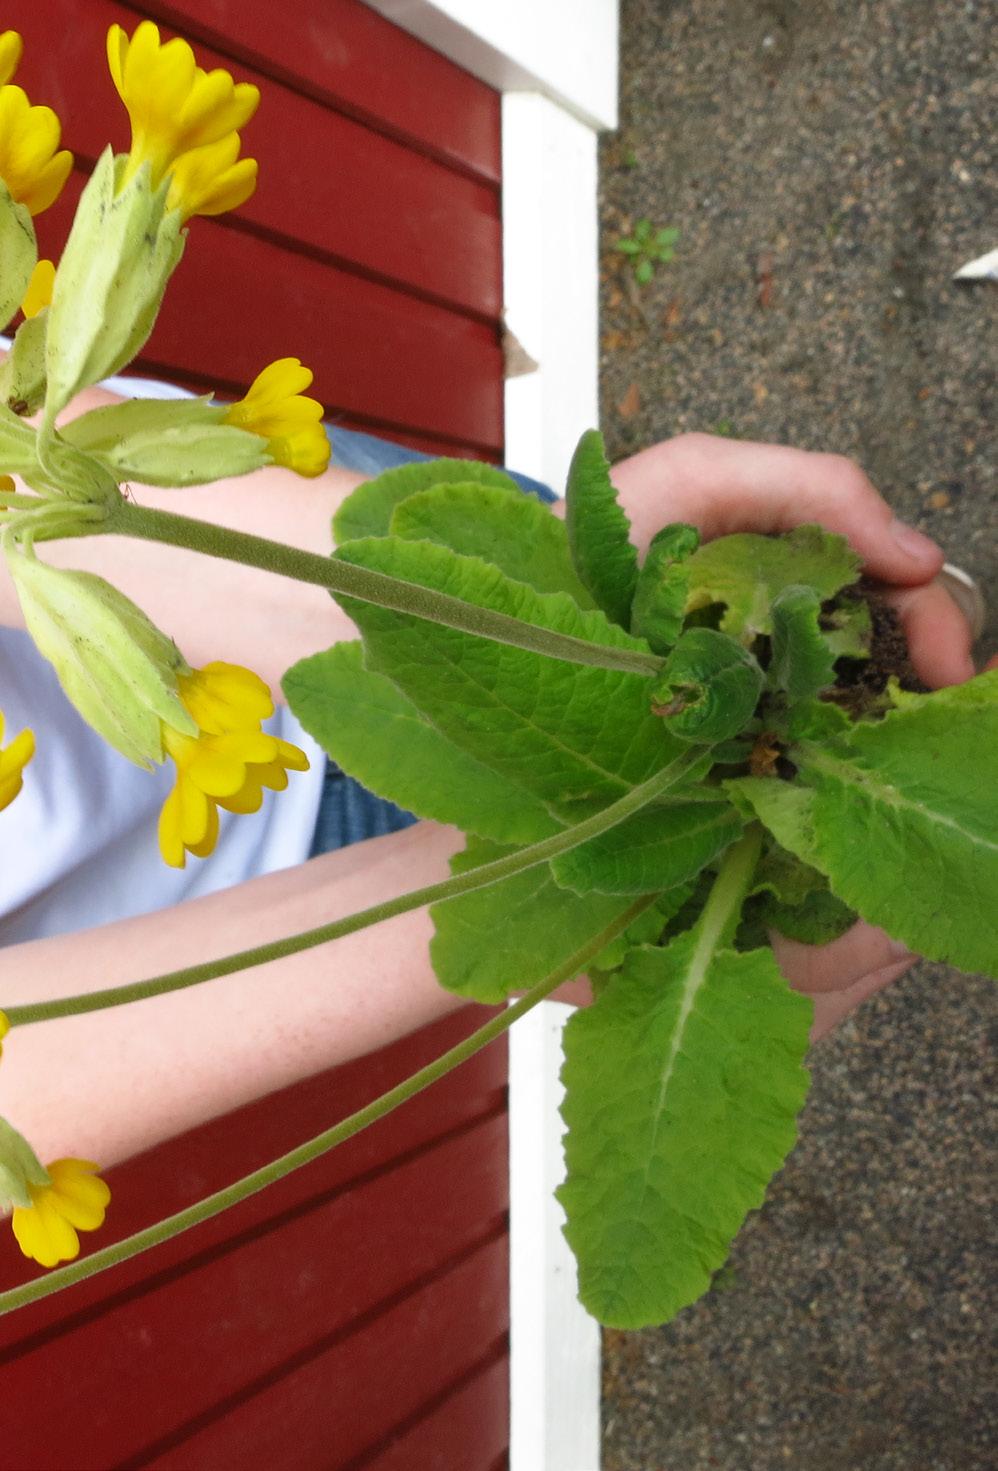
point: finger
(939, 636)
(816, 969)
(834, 1006)
(722, 485)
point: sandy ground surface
(829, 166)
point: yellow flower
(211, 180)
(31, 164)
(13, 760)
(173, 104)
(4, 1029)
(227, 764)
(39, 292)
(74, 1200)
(276, 409)
(11, 47)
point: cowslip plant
(656, 764)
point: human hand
(722, 486)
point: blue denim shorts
(348, 812)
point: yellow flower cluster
(185, 121)
(13, 759)
(31, 163)
(227, 764)
(275, 408)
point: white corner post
(555, 62)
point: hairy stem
(231, 1195)
(369, 587)
(472, 878)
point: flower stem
(231, 1195)
(369, 586)
(463, 883)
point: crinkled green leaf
(887, 812)
(376, 734)
(657, 848)
(848, 628)
(367, 511)
(801, 661)
(820, 918)
(746, 572)
(682, 1082)
(599, 531)
(708, 686)
(509, 936)
(646, 929)
(513, 531)
(575, 736)
(662, 588)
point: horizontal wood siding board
(191, 1166)
(325, 1412)
(345, 55)
(470, 1421)
(375, 352)
(328, 186)
(260, 1307)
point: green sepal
(18, 253)
(708, 687)
(19, 1168)
(22, 373)
(599, 531)
(168, 442)
(801, 662)
(113, 663)
(121, 252)
(367, 511)
(663, 585)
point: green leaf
(708, 688)
(848, 629)
(574, 736)
(646, 929)
(682, 1083)
(747, 572)
(512, 934)
(662, 587)
(657, 848)
(629, 247)
(820, 918)
(643, 272)
(801, 662)
(599, 531)
(367, 511)
(515, 532)
(376, 734)
(901, 815)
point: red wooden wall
(355, 1315)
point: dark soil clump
(861, 683)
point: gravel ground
(829, 166)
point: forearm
(108, 1084)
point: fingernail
(898, 951)
(913, 543)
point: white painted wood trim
(555, 61)
(564, 49)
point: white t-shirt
(78, 846)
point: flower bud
(121, 252)
(165, 442)
(113, 663)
